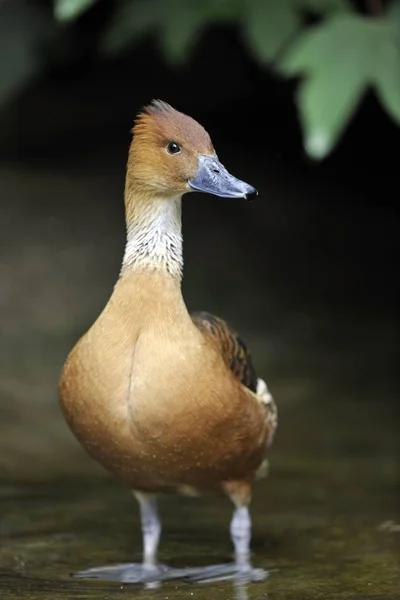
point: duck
(165, 399)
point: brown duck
(166, 400)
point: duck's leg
(241, 569)
(151, 529)
(147, 571)
(151, 572)
(240, 495)
(241, 536)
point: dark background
(308, 271)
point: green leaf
(338, 60)
(326, 103)
(67, 10)
(393, 15)
(21, 28)
(386, 79)
(182, 21)
(130, 22)
(269, 25)
(178, 23)
(393, 12)
(180, 27)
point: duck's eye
(173, 148)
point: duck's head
(172, 154)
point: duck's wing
(233, 348)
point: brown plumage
(233, 348)
(165, 401)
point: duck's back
(230, 344)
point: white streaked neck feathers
(154, 236)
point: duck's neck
(154, 235)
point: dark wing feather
(233, 349)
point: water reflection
(239, 588)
